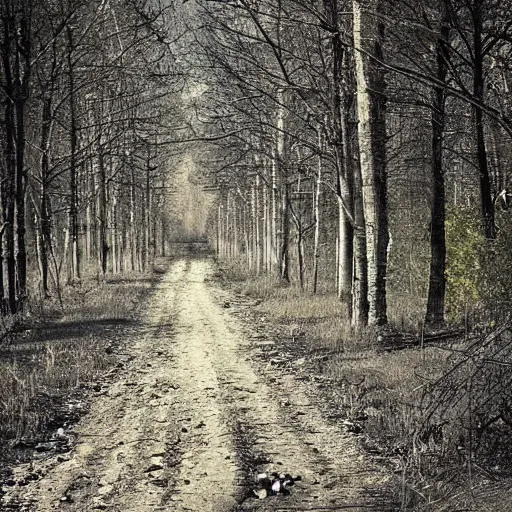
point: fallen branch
(393, 341)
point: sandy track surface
(194, 414)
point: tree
(81, 82)
(371, 107)
(437, 280)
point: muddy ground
(206, 402)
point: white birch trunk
(371, 131)
(316, 213)
(257, 223)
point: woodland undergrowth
(437, 416)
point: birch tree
(371, 105)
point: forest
(365, 146)
(366, 153)
(85, 88)
(372, 150)
(348, 162)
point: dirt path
(193, 415)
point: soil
(201, 409)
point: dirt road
(192, 417)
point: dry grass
(407, 311)
(52, 359)
(288, 305)
(320, 317)
(31, 383)
(389, 387)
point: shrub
(465, 248)
(478, 275)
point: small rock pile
(274, 484)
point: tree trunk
(219, 232)
(267, 251)
(360, 282)
(344, 177)
(274, 215)
(487, 203)
(345, 255)
(371, 106)
(316, 216)
(21, 255)
(133, 239)
(163, 247)
(73, 171)
(114, 247)
(236, 224)
(257, 223)
(360, 272)
(437, 282)
(252, 248)
(229, 241)
(45, 240)
(102, 213)
(147, 220)
(281, 171)
(2, 288)
(297, 218)
(8, 188)
(284, 270)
